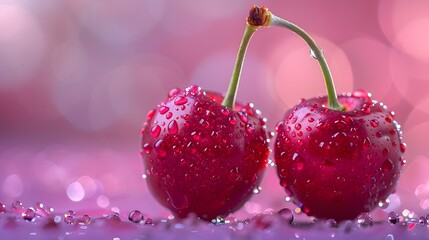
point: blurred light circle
(402, 22)
(22, 46)
(103, 201)
(13, 186)
(419, 114)
(118, 21)
(365, 55)
(89, 185)
(299, 75)
(75, 192)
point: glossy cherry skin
(202, 157)
(338, 164)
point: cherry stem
(263, 17)
(229, 99)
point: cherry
(203, 153)
(336, 156)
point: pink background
(78, 76)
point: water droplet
(136, 216)
(155, 131)
(249, 129)
(364, 220)
(163, 109)
(193, 90)
(150, 114)
(379, 134)
(196, 136)
(69, 219)
(225, 111)
(147, 148)
(168, 115)
(114, 218)
(286, 214)
(360, 94)
(257, 190)
(243, 117)
(366, 144)
(308, 128)
(173, 92)
(387, 165)
(385, 151)
(173, 128)
(384, 203)
(313, 54)
(85, 220)
(232, 120)
(180, 100)
(204, 123)
(393, 218)
(310, 119)
(331, 223)
(297, 126)
(403, 147)
(374, 123)
(29, 215)
(423, 220)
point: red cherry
(345, 164)
(337, 156)
(198, 160)
(205, 154)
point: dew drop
(374, 123)
(360, 94)
(135, 216)
(225, 111)
(297, 126)
(308, 128)
(364, 220)
(168, 115)
(257, 190)
(155, 131)
(150, 114)
(286, 215)
(423, 220)
(403, 147)
(180, 100)
(29, 215)
(196, 136)
(249, 128)
(232, 120)
(186, 116)
(385, 151)
(384, 203)
(163, 109)
(393, 218)
(313, 54)
(193, 90)
(69, 219)
(85, 220)
(243, 117)
(173, 128)
(366, 144)
(379, 134)
(147, 148)
(310, 119)
(387, 165)
(173, 92)
(388, 119)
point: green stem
(317, 54)
(229, 99)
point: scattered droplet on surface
(136, 216)
(286, 214)
(364, 220)
(29, 215)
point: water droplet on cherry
(403, 147)
(163, 109)
(173, 92)
(150, 114)
(180, 100)
(374, 123)
(249, 129)
(366, 144)
(387, 165)
(173, 128)
(155, 131)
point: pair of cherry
(337, 156)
